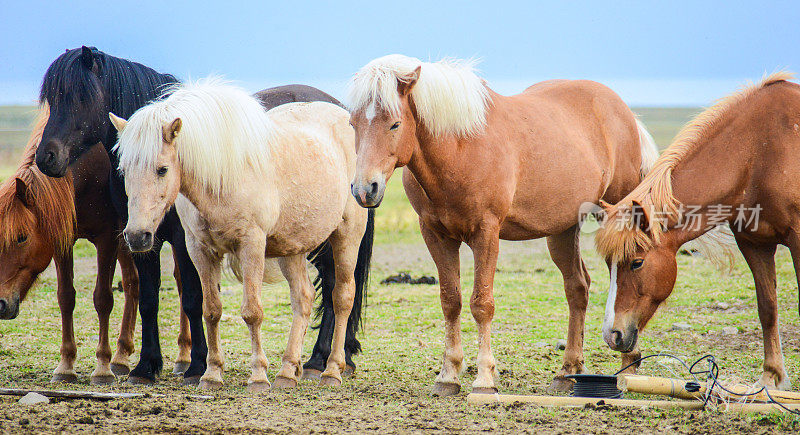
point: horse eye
(637, 263)
(162, 171)
(22, 238)
(395, 125)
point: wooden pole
(677, 388)
(581, 402)
(68, 394)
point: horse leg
(566, 254)
(302, 296)
(65, 372)
(103, 304)
(209, 270)
(251, 256)
(120, 363)
(345, 242)
(485, 246)
(444, 252)
(761, 260)
(148, 267)
(191, 291)
(184, 337)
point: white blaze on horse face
(371, 112)
(608, 320)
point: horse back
(274, 97)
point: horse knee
(482, 309)
(252, 316)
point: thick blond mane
(225, 134)
(449, 96)
(618, 239)
(52, 199)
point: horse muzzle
(138, 241)
(52, 159)
(369, 194)
(622, 341)
(9, 308)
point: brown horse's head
(385, 139)
(642, 267)
(25, 247)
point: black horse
(81, 87)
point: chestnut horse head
(392, 98)
(641, 235)
(37, 220)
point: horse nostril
(3, 306)
(147, 237)
(50, 158)
(373, 188)
(617, 336)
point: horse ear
(171, 131)
(406, 83)
(117, 122)
(87, 58)
(640, 215)
(22, 191)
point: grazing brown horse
(40, 219)
(480, 166)
(736, 165)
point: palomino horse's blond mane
(449, 96)
(53, 199)
(618, 240)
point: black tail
(322, 259)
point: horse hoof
(348, 371)
(102, 380)
(312, 374)
(191, 381)
(560, 385)
(69, 378)
(444, 389)
(120, 369)
(484, 390)
(209, 384)
(180, 367)
(329, 381)
(138, 380)
(283, 383)
(258, 387)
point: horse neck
(433, 161)
(709, 182)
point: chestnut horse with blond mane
(480, 166)
(735, 165)
(39, 221)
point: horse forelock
(225, 133)
(51, 200)
(450, 98)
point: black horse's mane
(128, 85)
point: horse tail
(647, 148)
(362, 270)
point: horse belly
(310, 212)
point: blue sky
(652, 53)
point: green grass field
(403, 344)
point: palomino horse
(82, 86)
(735, 164)
(40, 219)
(255, 185)
(480, 166)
